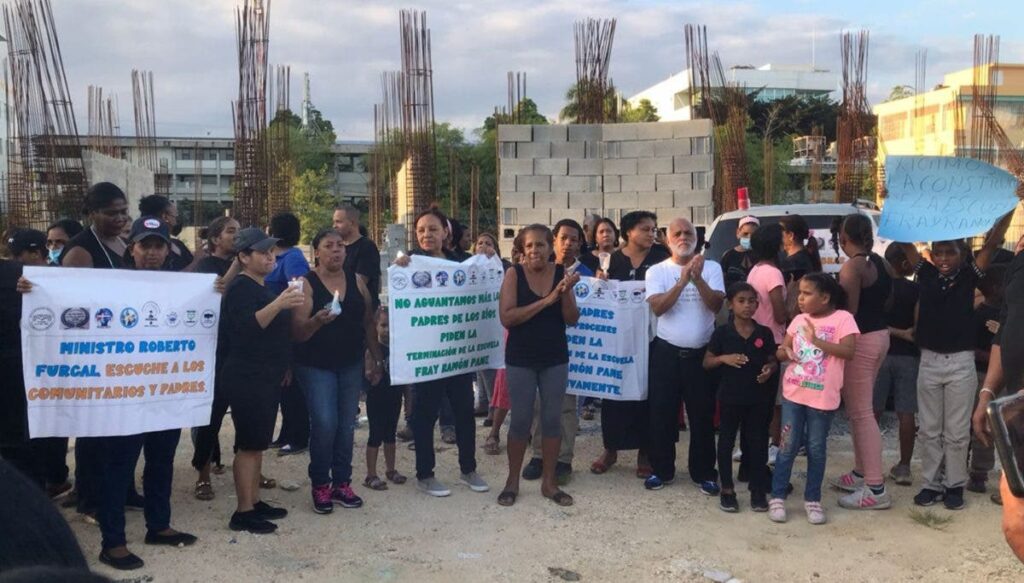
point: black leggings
(383, 408)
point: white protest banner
(443, 318)
(608, 348)
(117, 352)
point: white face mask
(745, 243)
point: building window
(345, 163)
(510, 216)
(229, 156)
(700, 146)
(183, 154)
(210, 155)
(209, 181)
(701, 180)
(186, 178)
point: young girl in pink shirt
(817, 345)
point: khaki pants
(946, 388)
(570, 423)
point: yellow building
(938, 122)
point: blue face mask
(745, 243)
(54, 256)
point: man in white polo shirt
(685, 292)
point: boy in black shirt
(898, 375)
(947, 383)
(748, 351)
(986, 324)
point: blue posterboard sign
(938, 198)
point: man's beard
(684, 249)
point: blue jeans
(797, 420)
(332, 397)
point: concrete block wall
(551, 172)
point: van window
(724, 236)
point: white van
(721, 235)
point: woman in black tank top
(334, 329)
(100, 246)
(536, 305)
(868, 285)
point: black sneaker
(533, 470)
(977, 485)
(563, 473)
(758, 502)
(250, 522)
(928, 497)
(178, 539)
(728, 503)
(268, 512)
(954, 499)
(126, 563)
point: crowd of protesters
(757, 349)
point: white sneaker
(777, 510)
(815, 513)
(848, 482)
(773, 453)
(737, 455)
(865, 499)
(433, 487)
(475, 482)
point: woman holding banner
(537, 356)
(256, 323)
(624, 423)
(333, 327)
(431, 232)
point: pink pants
(858, 391)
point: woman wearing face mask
(624, 423)
(431, 232)
(736, 262)
(57, 237)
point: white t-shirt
(689, 323)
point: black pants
(122, 453)
(42, 460)
(294, 416)
(426, 406)
(752, 422)
(383, 408)
(90, 466)
(677, 374)
(207, 446)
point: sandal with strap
(395, 477)
(507, 497)
(492, 446)
(375, 483)
(267, 483)
(561, 498)
(204, 491)
(599, 466)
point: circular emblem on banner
(151, 314)
(581, 290)
(129, 318)
(638, 296)
(103, 317)
(191, 318)
(459, 277)
(209, 319)
(75, 319)
(41, 319)
(441, 278)
(171, 319)
(399, 281)
(421, 279)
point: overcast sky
(190, 47)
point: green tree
(310, 146)
(570, 113)
(312, 201)
(644, 111)
(527, 114)
(901, 92)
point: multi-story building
(209, 163)
(672, 96)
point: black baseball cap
(253, 239)
(145, 227)
(26, 240)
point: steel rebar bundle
(46, 174)
(416, 90)
(854, 146)
(278, 151)
(249, 112)
(144, 108)
(104, 123)
(388, 153)
(698, 66)
(593, 42)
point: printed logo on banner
(441, 278)
(638, 296)
(600, 289)
(75, 319)
(474, 275)
(129, 318)
(171, 319)
(41, 319)
(103, 317)
(492, 274)
(209, 319)
(459, 277)
(581, 290)
(399, 281)
(622, 296)
(421, 279)
(151, 314)
(191, 318)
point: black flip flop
(561, 498)
(507, 498)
